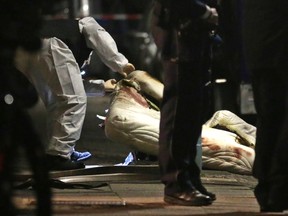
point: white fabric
(132, 122)
(221, 151)
(57, 79)
(56, 76)
(148, 84)
(232, 122)
(98, 39)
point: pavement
(125, 195)
(105, 189)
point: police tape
(118, 16)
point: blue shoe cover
(80, 156)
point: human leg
(59, 84)
(175, 158)
(269, 88)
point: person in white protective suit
(57, 79)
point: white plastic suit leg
(58, 81)
(98, 39)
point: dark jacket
(175, 11)
(183, 17)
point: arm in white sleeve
(98, 39)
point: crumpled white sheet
(131, 121)
(233, 123)
(222, 151)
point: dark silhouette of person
(19, 28)
(182, 32)
(266, 51)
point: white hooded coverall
(57, 79)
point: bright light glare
(220, 81)
(85, 7)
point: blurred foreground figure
(19, 33)
(266, 46)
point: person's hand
(127, 69)
(109, 85)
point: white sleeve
(98, 39)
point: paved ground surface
(145, 197)
(136, 193)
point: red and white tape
(118, 16)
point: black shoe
(199, 186)
(207, 193)
(57, 163)
(268, 208)
(274, 206)
(278, 198)
(272, 197)
(193, 198)
(261, 193)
